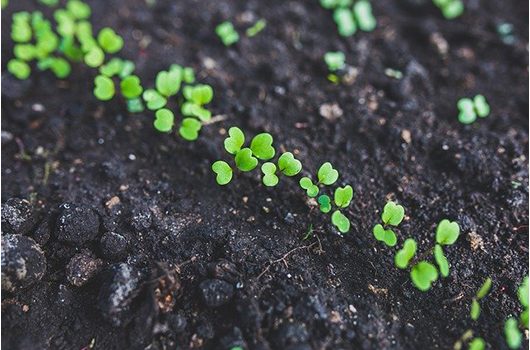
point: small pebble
(23, 262)
(77, 224)
(18, 216)
(216, 292)
(81, 268)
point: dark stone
(216, 292)
(81, 268)
(121, 284)
(23, 262)
(77, 224)
(224, 270)
(113, 246)
(42, 233)
(141, 218)
(18, 216)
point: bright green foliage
(104, 88)
(226, 32)
(325, 203)
(261, 146)
(349, 15)
(392, 214)
(450, 8)
(335, 60)
(112, 67)
(135, 105)
(481, 106)
(447, 232)
(223, 171)
(153, 99)
(21, 29)
(95, 57)
(269, 174)
(384, 235)
(477, 344)
(481, 293)
(19, 69)
(189, 129)
(423, 274)
(168, 83)
(522, 292)
(256, 28)
(311, 189)
(343, 17)
(512, 334)
(25, 52)
(405, 254)
(196, 97)
(164, 120)
(484, 289)
(362, 11)
(469, 109)
(131, 87)
(475, 310)
(4, 4)
(78, 9)
(109, 41)
(59, 66)
(288, 165)
(327, 175)
(343, 196)
(49, 2)
(235, 140)
(340, 221)
(65, 22)
(441, 260)
(245, 161)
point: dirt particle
(330, 111)
(216, 292)
(81, 268)
(17, 216)
(406, 135)
(76, 224)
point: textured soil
(126, 215)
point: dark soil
(143, 249)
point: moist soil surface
(142, 250)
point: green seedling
(66, 25)
(168, 83)
(49, 2)
(153, 99)
(189, 129)
(94, 57)
(362, 11)
(131, 87)
(235, 140)
(256, 28)
(226, 32)
(423, 274)
(21, 29)
(477, 344)
(59, 66)
(261, 146)
(311, 189)
(340, 221)
(451, 9)
(245, 161)
(345, 22)
(78, 9)
(288, 165)
(441, 260)
(104, 88)
(269, 174)
(481, 293)
(405, 254)
(349, 15)
(512, 334)
(392, 215)
(324, 203)
(343, 196)
(109, 41)
(117, 66)
(523, 295)
(335, 60)
(447, 232)
(196, 97)
(164, 120)
(223, 172)
(327, 175)
(19, 69)
(135, 105)
(384, 235)
(469, 109)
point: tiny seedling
(94, 57)
(392, 215)
(269, 174)
(78, 9)
(335, 60)
(256, 28)
(104, 88)
(131, 87)
(226, 32)
(340, 221)
(19, 68)
(512, 334)
(310, 188)
(168, 83)
(451, 9)
(223, 171)
(469, 109)
(477, 344)
(109, 41)
(153, 99)
(481, 293)
(349, 15)
(405, 254)
(164, 120)
(288, 165)
(196, 97)
(189, 129)
(423, 274)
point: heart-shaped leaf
(112, 67)
(392, 214)
(405, 254)
(307, 184)
(466, 110)
(423, 274)
(481, 106)
(245, 161)
(327, 175)
(227, 33)
(78, 9)
(20, 69)
(343, 196)
(95, 57)
(199, 94)
(189, 129)
(325, 203)
(261, 146)
(164, 120)
(362, 11)
(447, 232)
(386, 236)
(104, 88)
(109, 40)
(441, 260)
(269, 174)
(288, 165)
(340, 221)
(223, 171)
(334, 60)
(153, 99)
(168, 83)
(235, 140)
(192, 109)
(131, 87)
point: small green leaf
(334, 60)
(245, 161)
(325, 203)
(95, 57)
(19, 69)
(405, 254)
(269, 174)
(362, 11)
(126, 69)
(481, 106)
(109, 40)
(261, 146)
(453, 9)
(340, 221)
(512, 334)
(477, 344)
(135, 105)
(447, 232)
(153, 99)
(466, 109)
(226, 32)
(199, 94)
(441, 260)
(327, 175)
(423, 274)
(25, 52)
(223, 171)
(484, 289)
(475, 310)
(131, 87)
(256, 28)
(288, 165)
(386, 236)
(104, 88)
(235, 140)
(307, 184)
(168, 83)
(522, 292)
(343, 17)
(192, 109)
(524, 318)
(164, 120)
(112, 67)
(392, 214)
(78, 9)
(189, 129)
(343, 196)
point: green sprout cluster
(423, 273)
(512, 333)
(469, 109)
(246, 159)
(229, 36)
(335, 60)
(350, 15)
(450, 8)
(481, 293)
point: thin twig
(284, 257)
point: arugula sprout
(94, 57)
(349, 15)
(104, 88)
(512, 334)
(256, 28)
(392, 215)
(66, 25)
(423, 274)
(481, 293)
(447, 232)
(522, 293)
(269, 174)
(19, 68)
(384, 235)
(131, 87)
(235, 140)
(59, 66)
(261, 146)
(469, 109)
(327, 175)
(135, 105)
(153, 99)
(168, 82)
(335, 60)
(343, 17)
(189, 129)
(343, 196)
(451, 9)
(477, 344)
(78, 9)
(362, 11)
(405, 254)
(245, 161)
(226, 32)
(109, 41)
(340, 221)
(311, 189)
(223, 171)
(20, 28)
(164, 120)
(289, 165)
(325, 203)
(197, 96)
